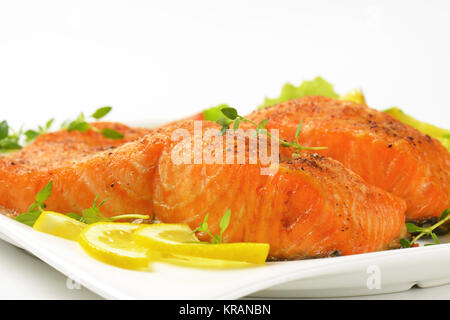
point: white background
(155, 60)
(160, 60)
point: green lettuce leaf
(321, 87)
(443, 135)
(316, 87)
(355, 95)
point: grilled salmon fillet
(65, 158)
(382, 150)
(311, 206)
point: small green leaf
(223, 130)
(299, 128)
(33, 206)
(4, 129)
(262, 124)
(224, 122)
(111, 134)
(93, 214)
(412, 227)
(405, 243)
(444, 214)
(9, 144)
(230, 113)
(225, 221)
(75, 216)
(49, 123)
(214, 113)
(204, 227)
(78, 125)
(101, 112)
(45, 193)
(31, 135)
(435, 238)
(28, 218)
(236, 124)
(103, 202)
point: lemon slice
(203, 263)
(59, 225)
(112, 242)
(179, 239)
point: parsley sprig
(89, 215)
(232, 117)
(223, 225)
(421, 231)
(37, 207)
(80, 124)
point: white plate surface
(398, 270)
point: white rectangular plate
(397, 270)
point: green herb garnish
(421, 231)
(231, 115)
(89, 215)
(80, 124)
(101, 112)
(223, 225)
(37, 207)
(30, 135)
(93, 214)
(214, 113)
(111, 134)
(4, 129)
(9, 139)
(316, 87)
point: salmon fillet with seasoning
(67, 159)
(312, 206)
(382, 150)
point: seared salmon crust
(382, 150)
(311, 206)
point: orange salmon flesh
(312, 206)
(385, 152)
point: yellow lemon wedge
(178, 239)
(112, 242)
(59, 225)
